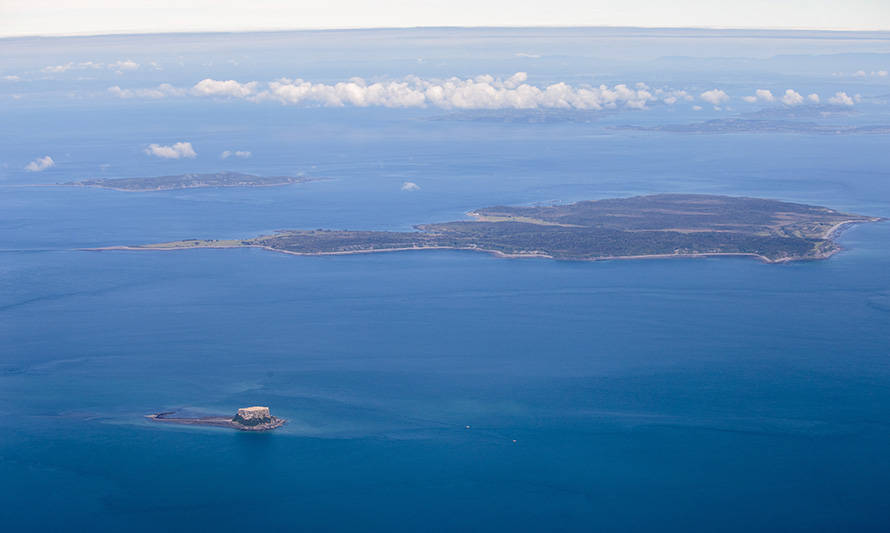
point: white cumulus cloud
(410, 186)
(714, 97)
(243, 154)
(841, 98)
(39, 164)
(672, 97)
(126, 64)
(175, 151)
(792, 98)
(229, 88)
(760, 95)
(765, 95)
(813, 98)
(12, 77)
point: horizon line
(122, 33)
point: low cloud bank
(793, 98)
(118, 66)
(481, 92)
(864, 74)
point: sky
(61, 17)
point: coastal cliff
(253, 416)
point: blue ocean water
(436, 391)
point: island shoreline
(496, 253)
(770, 231)
(215, 421)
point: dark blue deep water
(431, 391)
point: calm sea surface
(431, 391)
(718, 393)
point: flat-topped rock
(257, 418)
(252, 416)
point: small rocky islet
(256, 418)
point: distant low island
(187, 181)
(751, 125)
(663, 225)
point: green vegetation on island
(663, 225)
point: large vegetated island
(188, 181)
(664, 225)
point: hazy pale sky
(49, 17)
